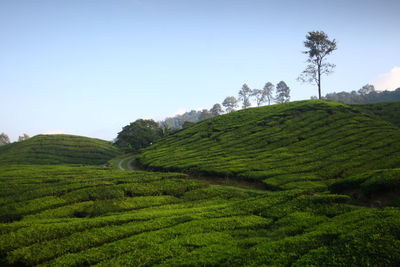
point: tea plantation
(306, 144)
(58, 149)
(332, 178)
(81, 216)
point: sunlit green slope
(58, 149)
(304, 144)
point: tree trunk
(319, 81)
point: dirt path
(128, 161)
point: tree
(268, 91)
(244, 95)
(23, 137)
(216, 110)
(282, 93)
(366, 89)
(138, 134)
(205, 114)
(230, 104)
(264, 95)
(319, 47)
(4, 139)
(165, 129)
(258, 94)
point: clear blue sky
(89, 67)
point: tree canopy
(138, 135)
(4, 139)
(230, 103)
(282, 93)
(244, 95)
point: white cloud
(54, 132)
(388, 81)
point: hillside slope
(305, 144)
(58, 149)
(389, 111)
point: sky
(90, 67)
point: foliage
(364, 95)
(23, 137)
(216, 110)
(268, 92)
(318, 48)
(244, 95)
(138, 135)
(58, 149)
(4, 139)
(282, 93)
(366, 89)
(176, 122)
(230, 104)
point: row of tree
(4, 139)
(231, 103)
(260, 96)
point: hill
(334, 169)
(305, 144)
(58, 149)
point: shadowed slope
(58, 149)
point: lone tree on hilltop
(282, 93)
(230, 104)
(244, 95)
(318, 48)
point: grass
(303, 144)
(58, 149)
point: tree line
(246, 96)
(260, 96)
(366, 94)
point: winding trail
(128, 161)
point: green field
(330, 195)
(58, 149)
(306, 144)
(80, 216)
